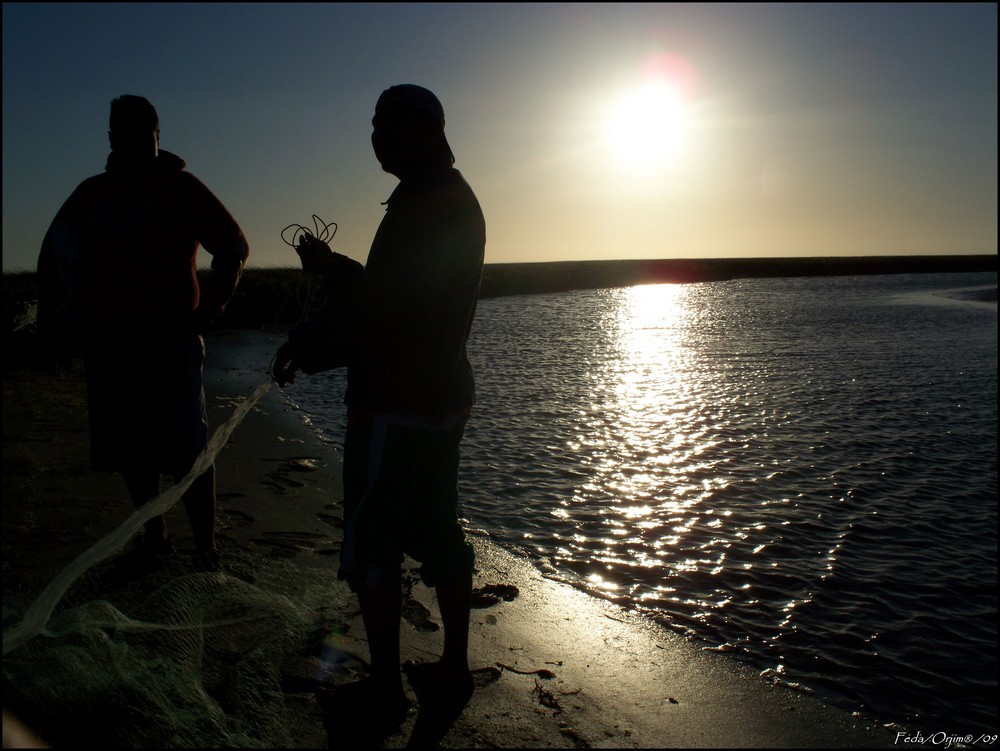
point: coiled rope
(310, 294)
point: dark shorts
(401, 497)
(146, 403)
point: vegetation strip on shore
(268, 296)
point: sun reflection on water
(645, 435)
(653, 504)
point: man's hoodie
(120, 257)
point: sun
(646, 126)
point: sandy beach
(555, 667)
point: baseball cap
(420, 99)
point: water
(798, 472)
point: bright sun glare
(646, 126)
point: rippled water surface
(800, 472)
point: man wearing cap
(409, 394)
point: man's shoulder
(465, 200)
(444, 201)
(186, 180)
(183, 183)
(457, 180)
(455, 193)
(94, 182)
(90, 189)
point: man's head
(408, 131)
(135, 127)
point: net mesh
(184, 659)
(177, 658)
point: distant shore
(500, 279)
(271, 297)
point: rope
(310, 293)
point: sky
(588, 131)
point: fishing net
(177, 658)
(205, 660)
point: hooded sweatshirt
(121, 254)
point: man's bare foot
(362, 713)
(437, 680)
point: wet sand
(554, 666)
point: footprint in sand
(304, 464)
(238, 515)
(290, 544)
(334, 521)
(234, 518)
(287, 481)
(493, 594)
(320, 669)
(485, 676)
(281, 479)
(418, 616)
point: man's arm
(326, 341)
(223, 239)
(58, 318)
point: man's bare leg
(455, 601)
(449, 680)
(381, 611)
(199, 503)
(143, 487)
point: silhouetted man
(117, 277)
(410, 391)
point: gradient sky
(783, 130)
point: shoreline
(265, 296)
(504, 279)
(555, 667)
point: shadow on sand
(355, 718)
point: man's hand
(284, 368)
(314, 254)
